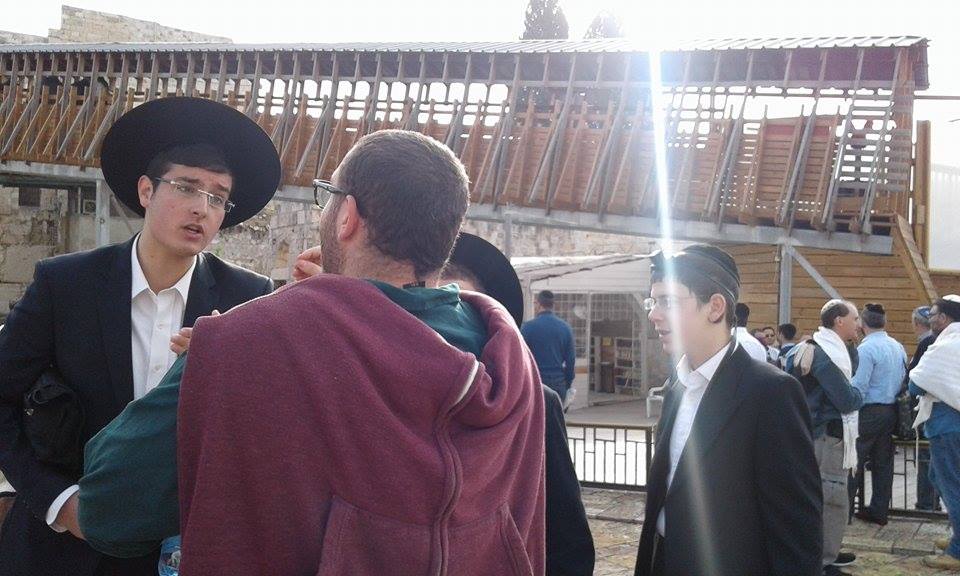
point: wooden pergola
(795, 143)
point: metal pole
(103, 213)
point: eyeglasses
(191, 191)
(323, 190)
(664, 302)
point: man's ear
(145, 191)
(349, 222)
(717, 309)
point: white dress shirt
(154, 319)
(754, 348)
(695, 384)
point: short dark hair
(742, 313)
(949, 308)
(833, 310)
(453, 272)
(874, 316)
(702, 286)
(412, 192)
(546, 298)
(788, 331)
(206, 156)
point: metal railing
(618, 457)
(606, 456)
(906, 470)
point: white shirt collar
(139, 280)
(706, 371)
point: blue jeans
(945, 465)
(927, 496)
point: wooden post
(786, 284)
(921, 191)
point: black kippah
(706, 261)
(875, 308)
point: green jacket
(128, 493)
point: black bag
(53, 422)
(905, 405)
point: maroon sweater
(323, 430)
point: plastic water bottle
(169, 557)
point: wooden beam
(812, 271)
(787, 207)
(921, 191)
(498, 162)
(556, 134)
(785, 296)
(612, 135)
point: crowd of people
(862, 392)
(390, 412)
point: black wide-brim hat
(151, 128)
(493, 269)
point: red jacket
(323, 430)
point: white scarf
(831, 343)
(938, 373)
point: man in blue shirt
(942, 426)
(879, 377)
(928, 498)
(551, 341)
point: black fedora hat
(493, 269)
(151, 128)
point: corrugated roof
(512, 47)
(540, 268)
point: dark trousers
(927, 496)
(875, 445)
(559, 386)
(658, 566)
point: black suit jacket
(569, 543)
(746, 498)
(76, 316)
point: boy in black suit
(104, 319)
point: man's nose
(200, 205)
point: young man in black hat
(105, 319)
(733, 488)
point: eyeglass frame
(179, 186)
(649, 304)
(328, 187)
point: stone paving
(616, 519)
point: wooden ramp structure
(798, 142)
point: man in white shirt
(744, 338)
(733, 445)
(106, 319)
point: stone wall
(80, 25)
(294, 227)
(27, 235)
(17, 38)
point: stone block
(19, 262)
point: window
(29, 197)
(572, 308)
